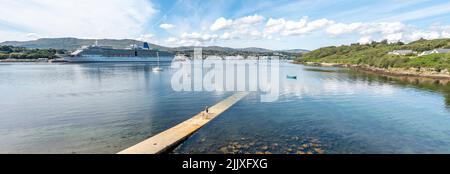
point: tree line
(7, 51)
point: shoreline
(401, 72)
(40, 60)
(23, 60)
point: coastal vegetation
(26, 53)
(375, 54)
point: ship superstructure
(133, 53)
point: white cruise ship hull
(84, 59)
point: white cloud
(77, 18)
(171, 40)
(229, 36)
(255, 33)
(443, 30)
(257, 28)
(391, 27)
(199, 37)
(254, 28)
(225, 36)
(274, 26)
(146, 37)
(239, 23)
(408, 34)
(416, 35)
(220, 24)
(32, 36)
(249, 20)
(365, 40)
(445, 34)
(341, 28)
(167, 26)
(289, 28)
(292, 25)
(393, 38)
(304, 27)
(365, 28)
(382, 27)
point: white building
(434, 52)
(403, 52)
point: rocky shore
(412, 72)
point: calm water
(104, 108)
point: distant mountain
(75, 43)
(254, 49)
(296, 51)
(208, 48)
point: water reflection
(428, 84)
(336, 111)
(104, 108)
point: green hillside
(376, 54)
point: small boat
(291, 77)
(157, 69)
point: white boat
(157, 69)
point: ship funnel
(146, 46)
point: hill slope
(376, 54)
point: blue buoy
(291, 77)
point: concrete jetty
(173, 136)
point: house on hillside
(434, 52)
(403, 52)
(425, 53)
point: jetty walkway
(171, 137)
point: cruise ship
(134, 53)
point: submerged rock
(300, 152)
(223, 150)
(288, 145)
(265, 147)
(318, 150)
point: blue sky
(276, 24)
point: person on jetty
(206, 112)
